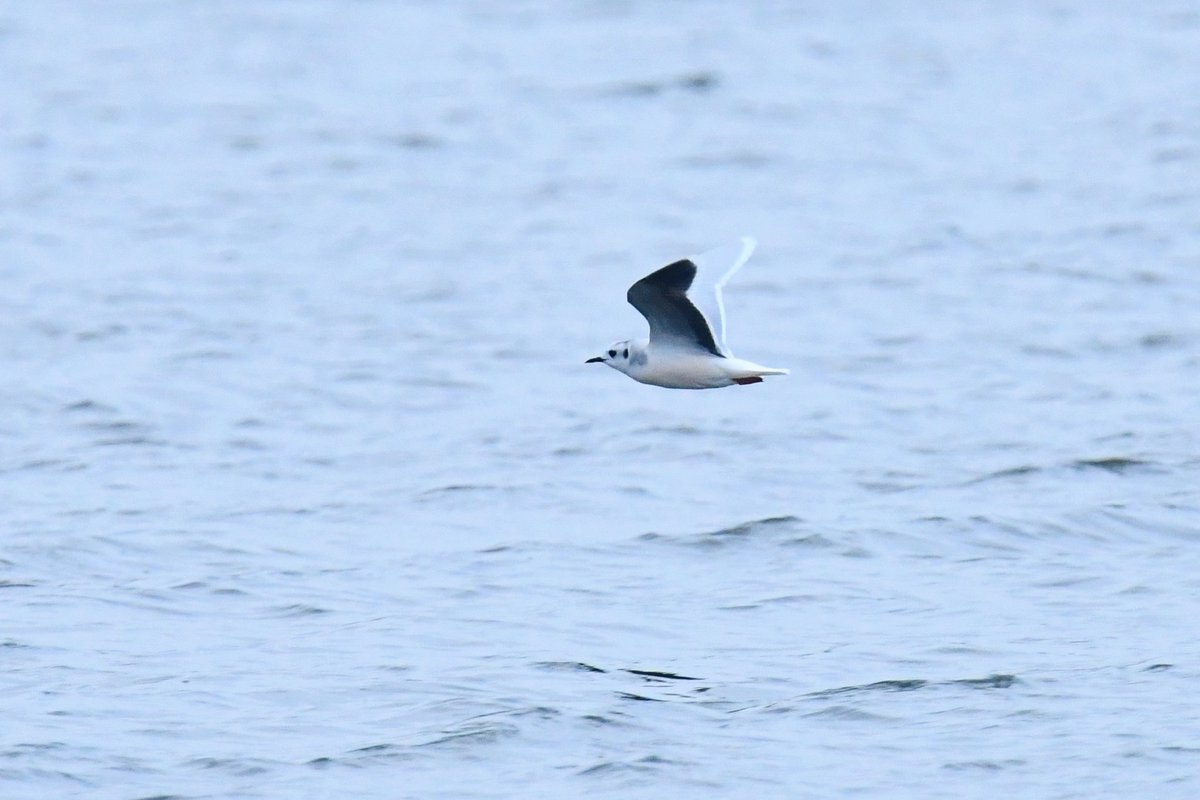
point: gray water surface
(307, 491)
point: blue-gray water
(307, 492)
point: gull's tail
(742, 371)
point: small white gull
(686, 348)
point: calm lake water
(307, 491)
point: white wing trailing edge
(714, 268)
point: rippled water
(308, 493)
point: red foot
(746, 381)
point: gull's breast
(683, 370)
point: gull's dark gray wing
(662, 299)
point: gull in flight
(686, 349)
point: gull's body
(686, 349)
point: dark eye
(626, 353)
(612, 353)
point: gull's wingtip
(748, 245)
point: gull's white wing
(682, 301)
(713, 269)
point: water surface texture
(307, 492)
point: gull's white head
(622, 356)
